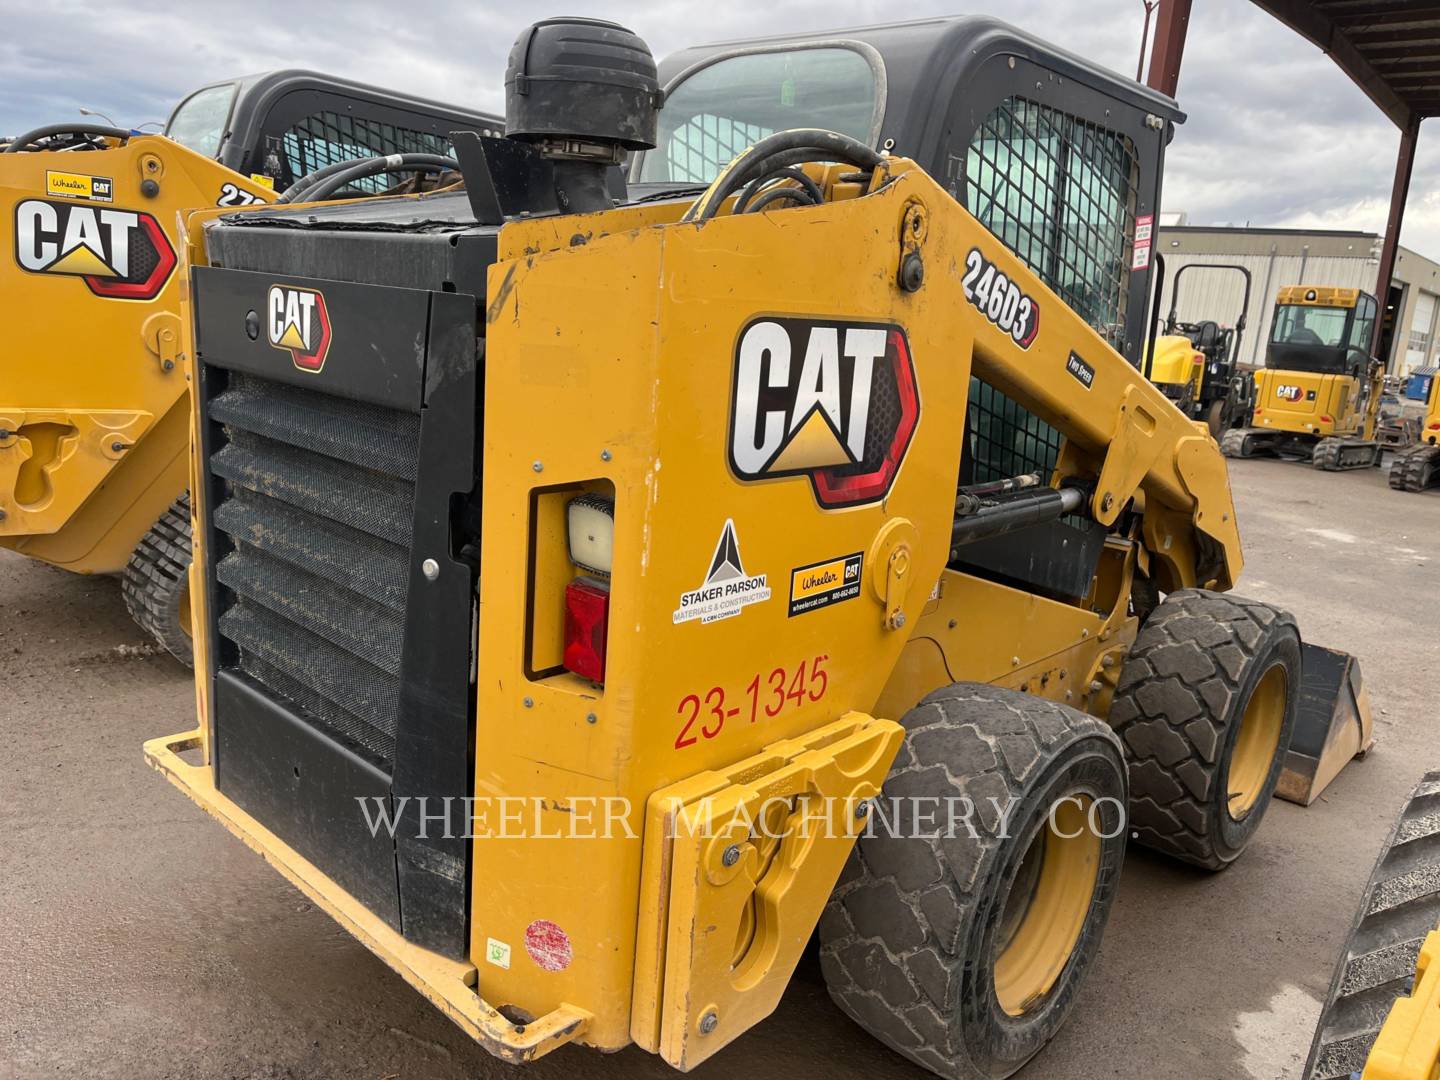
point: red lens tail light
(587, 616)
(1325, 419)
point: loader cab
(1059, 158)
(1322, 331)
(280, 125)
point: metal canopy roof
(1390, 48)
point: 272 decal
(233, 195)
(999, 299)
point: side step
(1398, 913)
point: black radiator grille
(317, 507)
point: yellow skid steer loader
(601, 588)
(94, 427)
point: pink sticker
(548, 945)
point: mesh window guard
(1060, 192)
(325, 138)
(705, 144)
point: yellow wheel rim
(1046, 908)
(1257, 741)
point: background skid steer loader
(94, 407)
(649, 515)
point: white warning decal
(727, 588)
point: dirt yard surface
(138, 939)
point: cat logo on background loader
(120, 254)
(298, 322)
(834, 401)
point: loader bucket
(1334, 724)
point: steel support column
(1404, 164)
(1169, 46)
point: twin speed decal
(999, 299)
(1079, 370)
(831, 400)
(297, 321)
(727, 588)
(120, 254)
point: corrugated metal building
(1280, 257)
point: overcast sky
(1276, 134)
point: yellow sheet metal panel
(739, 864)
(1176, 362)
(92, 245)
(1306, 402)
(1408, 1047)
(646, 357)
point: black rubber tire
(1182, 694)
(908, 937)
(156, 581)
(1400, 906)
(1215, 418)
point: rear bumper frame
(450, 985)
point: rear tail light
(1326, 420)
(587, 617)
(1434, 427)
(1257, 412)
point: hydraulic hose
(1022, 510)
(24, 142)
(798, 175)
(779, 151)
(323, 183)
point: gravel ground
(138, 939)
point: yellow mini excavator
(93, 401)
(603, 584)
(1318, 395)
(1417, 466)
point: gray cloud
(1276, 136)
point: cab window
(1364, 324)
(1308, 324)
(200, 120)
(726, 106)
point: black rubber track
(1400, 906)
(154, 583)
(1177, 709)
(1415, 468)
(1341, 455)
(1237, 443)
(907, 935)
